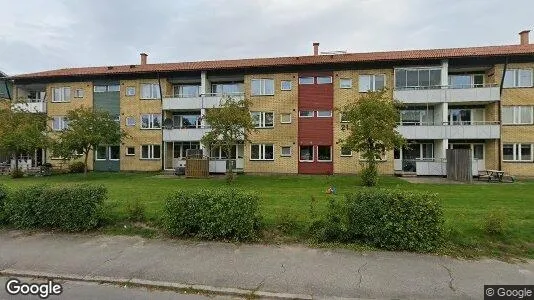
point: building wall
(282, 134)
(342, 97)
(133, 106)
(516, 133)
(61, 109)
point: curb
(179, 287)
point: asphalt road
(85, 290)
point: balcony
(31, 105)
(479, 130)
(449, 94)
(196, 102)
(184, 134)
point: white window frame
(79, 93)
(312, 154)
(287, 88)
(306, 77)
(128, 153)
(372, 82)
(282, 118)
(516, 115)
(349, 80)
(96, 153)
(282, 151)
(64, 96)
(517, 78)
(154, 91)
(321, 111)
(63, 123)
(150, 152)
(130, 91)
(150, 121)
(263, 90)
(263, 118)
(517, 152)
(261, 152)
(344, 155)
(109, 153)
(322, 77)
(323, 160)
(301, 116)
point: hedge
(3, 195)
(225, 214)
(395, 220)
(69, 208)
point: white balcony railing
(451, 94)
(184, 102)
(474, 130)
(31, 105)
(184, 134)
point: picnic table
(494, 175)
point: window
(151, 121)
(343, 118)
(130, 91)
(114, 88)
(285, 151)
(130, 151)
(59, 123)
(78, 93)
(186, 91)
(285, 85)
(371, 83)
(306, 154)
(306, 80)
(478, 151)
(130, 121)
(518, 78)
(261, 152)
(150, 152)
(61, 94)
(324, 113)
(150, 91)
(417, 116)
(262, 119)
(517, 152)
(101, 153)
(346, 151)
(417, 78)
(114, 152)
(306, 113)
(186, 121)
(324, 153)
(285, 118)
(345, 83)
(262, 87)
(324, 79)
(462, 81)
(517, 115)
(230, 88)
(100, 88)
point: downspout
(163, 152)
(499, 112)
(7, 90)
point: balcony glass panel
(220, 89)
(186, 91)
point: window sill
(129, 154)
(150, 159)
(262, 159)
(324, 161)
(521, 124)
(341, 155)
(517, 161)
(345, 88)
(285, 155)
(306, 161)
(262, 95)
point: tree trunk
(229, 172)
(85, 163)
(16, 161)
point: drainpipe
(7, 90)
(499, 112)
(163, 152)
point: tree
(230, 124)
(21, 131)
(372, 130)
(87, 129)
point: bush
(17, 173)
(396, 220)
(70, 208)
(286, 223)
(3, 195)
(212, 214)
(369, 176)
(77, 167)
(135, 211)
(333, 227)
(496, 222)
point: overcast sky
(38, 35)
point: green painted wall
(5, 89)
(107, 101)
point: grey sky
(38, 35)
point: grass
(289, 202)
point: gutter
(499, 111)
(162, 147)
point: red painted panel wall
(315, 131)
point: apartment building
(480, 98)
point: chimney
(523, 36)
(143, 58)
(315, 49)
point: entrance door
(107, 158)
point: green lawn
(291, 196)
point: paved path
(280, 269)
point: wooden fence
(459, 165)
(197, 167)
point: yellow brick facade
(134, 106)
(282, 135)
(343, 96)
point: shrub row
(225, 214)
(3, 196)
(388, 219)
(69, 208)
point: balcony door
(466, 116)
